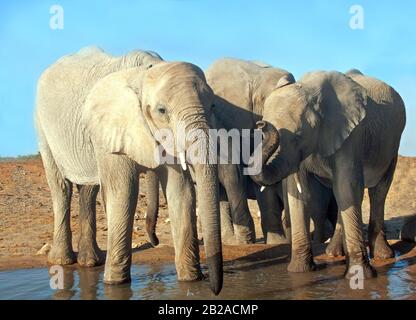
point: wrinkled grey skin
(96, 118)
(323, 212)
(255, 81)
(237, 226)
(336, 248)
(240, 89)
(345, 133)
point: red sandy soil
(26, 218)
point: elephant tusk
(262, 188)
(297, 182)
(182, 158)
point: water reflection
(242, 280)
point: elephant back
(378, 90)
(241, 88)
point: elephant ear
(341, 103)
(285, 80)
(114, 120)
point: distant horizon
(324, 35)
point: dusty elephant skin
(96, 118)
(346, 131)
(240, 88)
(237, 226)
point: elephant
(344, 131)
(97, 119)
(240, 87)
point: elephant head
(124, 112)
(313, 116)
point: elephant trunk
(271, 160)
(207, 190)
(206, 177)
(271, 139)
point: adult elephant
(241, 88)
(99, 127)
(346, 134)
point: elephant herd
(325, 138)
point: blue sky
(299, 36)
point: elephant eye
(161, 109)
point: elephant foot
(301, 265)
(228, 238)
(235, 240)
(116, 278)
(245, 232)
(360, 270)
(276, 238)
(381, 249)
(244, 236)
(151, 231)
(229, 241)
(189, 274)
(335, 247)
(90, 256)
(238, 241)
(61, 256)
(115, 282)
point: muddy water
(243, 280)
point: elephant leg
(152, 210)
(348, 184)
(89, 254)
(119, 187)
(183, 220)
(271, 215)
(298, 204)
(233, 182)
(319, 222)
(61, 191)
(282, 192)
(227, 229)
(379, 247)
(319, 209)
(335, 247)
